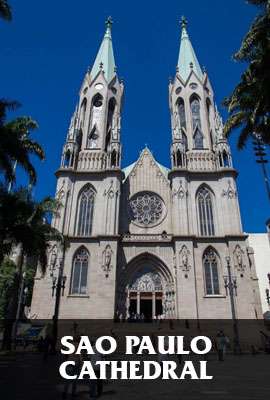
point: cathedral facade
(146, 239)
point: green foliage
(249, 104)
(7, 280)
(16, 145)
(26, 222)
(5, 10)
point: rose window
(146, 209)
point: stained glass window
(79, 272)
(85, 211)
(205, 208)
(146, 208)
(210, 262)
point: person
(96, 385)
(221, 343)
(72, 370)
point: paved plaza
(28, 376)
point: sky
(47, 48)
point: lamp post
(58, 289)
(260, 154)
(230, 284)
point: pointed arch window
(210, 265)
(196, 112)
(83, 112)
(198, 139)
(205, 211)
(79, 272)
(85, 211)
(96, 113)
(181, 113)
(184, 141)
(92, 138)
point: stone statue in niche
(185, 259)
(107, 258)
(238, 258)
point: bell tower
(93, 141)
(89, 186)
(197, 131)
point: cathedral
(146, 239)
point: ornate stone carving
(218, 125)
(230, 193)
(146, 238)
(107, 260)
(185, 259)
(111, 192)
(146, 281)
(181, 192)
(146, 209)
(238, 255)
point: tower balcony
(92, 160)
(201, 160)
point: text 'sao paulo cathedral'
(147, 239)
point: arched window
(181, 113)
(205, 211)
(83, 112)
(67, 158)
(92, 139)
(184, 141)
(85, 211)
(96, 114)
(196, 112)
(225, 159)
(208, 107)
(210, 265)
(198, 139)
(79, 272)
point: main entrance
(145, 295)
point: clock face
(99, 86)
(146, 209)
(193, 86)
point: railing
(91, 160)
(201, 161)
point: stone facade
(148, 239)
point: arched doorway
(145, 294)
(146, 289)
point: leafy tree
(5, 10)
(7, 279)
(24, 226)
(16, 145)
(249, 104)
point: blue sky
(47, 48)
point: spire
(105, 57)
(187, 59)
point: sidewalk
(27, 376)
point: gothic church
(146, 239)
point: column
(153, 304)
(138, 303)
(127, 305)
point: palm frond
(5, 10)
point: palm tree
(16, 145)
(24, 225)
(249, 104)
(5, 10)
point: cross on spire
(109, 22)
(183, 22)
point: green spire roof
(105, 58)
(187, 59)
